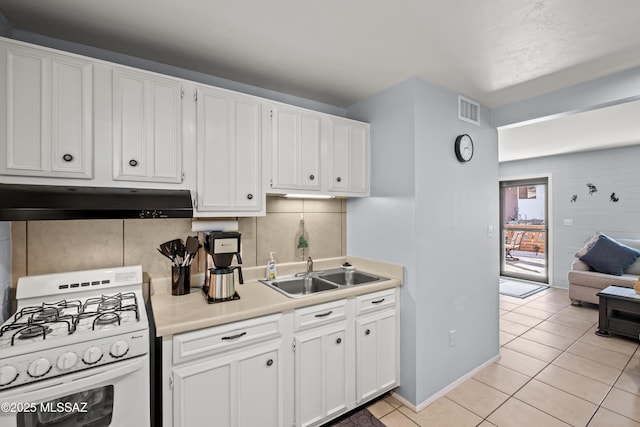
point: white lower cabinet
(232, 375)
(323, 363)
(239, 389)
(376, 344)
(298, 369)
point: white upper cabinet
(348, 143)
(295, 149)
(45, 113)
(229, 152)
(316, 153)
(147, 127)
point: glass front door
(523, 219)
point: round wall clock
(464, 147)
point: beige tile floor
(553, 371)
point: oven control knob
(67, 361)
(119, 349)
(8, 374)
(92, 355)
(39, 367)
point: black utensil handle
(233, 337)
(324, 314)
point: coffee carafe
(219, 279)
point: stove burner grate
(37, 321)
(33, 331)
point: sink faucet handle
(309, 265)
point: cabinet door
(320, 374)
(376, 346)
(296, 149)
(147, 134)
(239, 388)
(348, 156)
(229, 152)
(258, 391)
(202, 391)
(45, 114)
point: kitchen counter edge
(177, 314)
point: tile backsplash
(41, 247)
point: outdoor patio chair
(513, 244)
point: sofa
(585, 281)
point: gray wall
(431, 213)
(382, 226)
(170, 70)
(613, 170)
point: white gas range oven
(76, 352)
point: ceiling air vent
(468, 110)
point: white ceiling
(343, 51)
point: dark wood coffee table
(619, 312)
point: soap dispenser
(271, 267)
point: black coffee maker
(219, 279)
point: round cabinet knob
(39, 367)
(119, 349)
(339, 340)
(339, 179)
(92, 355)
(249, 196)
(67, 157)
(269, 362)
(66, 361)
(8, 374)
(312, 177)
(133, 163)
(367, 332)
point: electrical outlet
(452, 338)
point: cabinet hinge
(182, 176)
(181, 93)
(171, 382)
(195, 95)
(293, 346)
(271, 113)
(195, 201)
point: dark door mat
(360, 418)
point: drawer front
(375, 301)
(209, 341)
(320, 314)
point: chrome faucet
(309, 265)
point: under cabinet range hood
(48, 202)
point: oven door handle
(73, 383)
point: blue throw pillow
(610, 257)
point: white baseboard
(447, 389)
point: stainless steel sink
(348, 278)
(296, 287)
(320, 281)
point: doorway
(524, 210)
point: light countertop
(176, 314)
